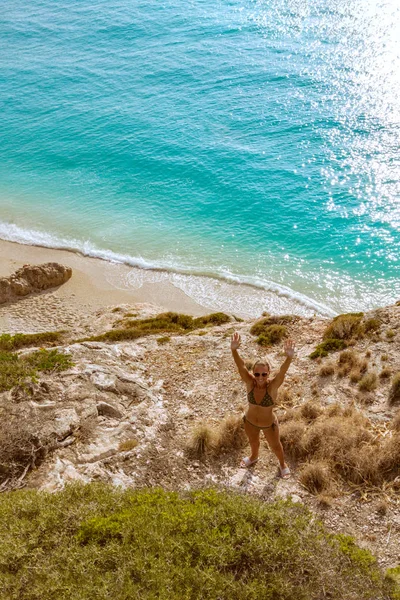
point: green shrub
(344, 327)
(327, 346)
(272, 335)
(23, 340)
(170, 322)
(16, 370)
(262, 325)
(99, 542)
(372, 325)
(164, 339)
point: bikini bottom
(272, 426)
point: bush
(330, 345)
(202, 441)
(372, 325)
(272, 335)
(99, 542)
(344, 327)
(394, 393)
(316, 477)
(231, 434)
(260, 326)
(22, 340)
(17, 370)
(128, 329)
(368, 382)
(327, 369)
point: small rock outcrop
(33, 278)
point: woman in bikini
(261, 396)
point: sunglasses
(262, 374)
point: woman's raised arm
(289, 351)
(243, 372)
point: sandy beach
(95, 284)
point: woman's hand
(289, 348)
(235, 341)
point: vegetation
(169, 322)
(229, 437)
(344, 327)
(17, 370)
(394, 393)
(327, 369)
(327, 346)
(342, 438)
(272, 335)
(260, 326)
(372, 325)
(22, 340)
(96, 541)
(368, 382)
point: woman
(261, 395)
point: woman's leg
(254, 439)
(273, 439)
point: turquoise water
(252, 141)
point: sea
(248, 151)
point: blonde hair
(263, 363)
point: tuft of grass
(310, 411)
(272, 335)
(231, 435)
(326, 369)
(396, 422)
(372, 325)
(127, 445)
(285, 397)
(164, 339)
(344, 327)
(23, 340)
(17, 370)
(316, 477)
(97, 541)
(385, 373)
(394, 392)
(368, 382)
(327, 346)
(390, 333)
(201, 442)
(169, 322)
(384, 357)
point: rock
(107, 410)
(104, 381)
(32, 279)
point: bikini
(266, 401)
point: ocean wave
(13, 233)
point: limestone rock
(32, 279)
(107, 410)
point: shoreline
(90, 289)
(98, 282)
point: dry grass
(394, 393)
(344, 441)
(385, 373)
(231, 435)
(310, 411)
(316, 477)
(396, 422)
(382, 508)
(390, 334)
(285, 397)
(372, 325)
(384, 357)
(368, 382)
(327, 369)
(202, 441)
(127, 445)
(21, 449)
(344, 327)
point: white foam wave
(13, 233)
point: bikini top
(266, 401)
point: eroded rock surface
(32, 279)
